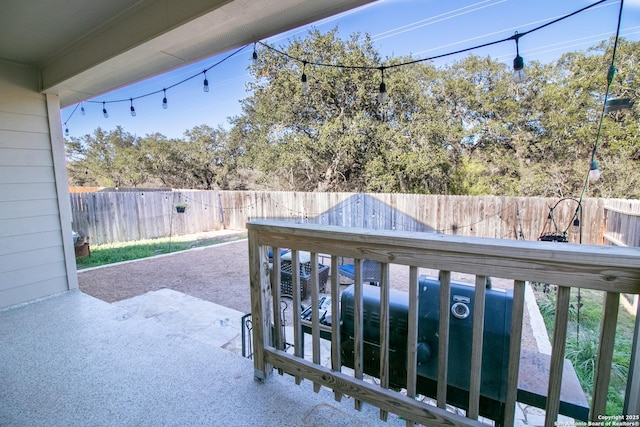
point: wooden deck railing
(611, 269)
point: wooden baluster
(384, 332)
(443, 340)
(297, 326)
(557, 355)
(412, 336)
(632, 396)
(476, 347)
(605, 354)
(336, 358)
(276, 279)
(514, 352)
(358, 320)
(315, 313)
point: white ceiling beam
(156, 36)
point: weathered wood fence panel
(622, 223)
(497, 217)
(108, 217)
(134, 215)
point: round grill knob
(460, 310)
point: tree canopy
(466, 128)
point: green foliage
(119, 252)
(205, 159)
(465, 128)
(108, 159)
(582, 349)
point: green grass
(582, 346)
(118, 252)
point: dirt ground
(219, 274)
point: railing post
(557, 356)
(260, 284)
(605, 354)
(632, 396)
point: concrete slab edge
(537, 323)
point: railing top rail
(609, 268)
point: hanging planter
(181, 207)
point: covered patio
(72, 359)
(114, 361)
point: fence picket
(108, 217)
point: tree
(108, 159)
(205, 159)
(465, 128)
(316, 142)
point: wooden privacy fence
(108, 217)
(622, 223)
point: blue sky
(421, 28)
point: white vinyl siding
(32, 256)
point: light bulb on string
(383, 97)
(66, 130)
(254, 55)
(165, 103)
(594, 172)
(205, 83)
(105, 114)
(519, 75)
(303, 79)
(133, 110)
(82, 110)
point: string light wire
(343, 66)
(431, 58)
(610, 75)
(130, 99)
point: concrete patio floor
(72, 359)
(164, 358)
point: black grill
(498, 305)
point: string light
(303, 79)
(205, 84)
(165, 104)
(66, 130)
(519, 75)
(382, 94)
(594, 172)
(133, 110)
(82, 111)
